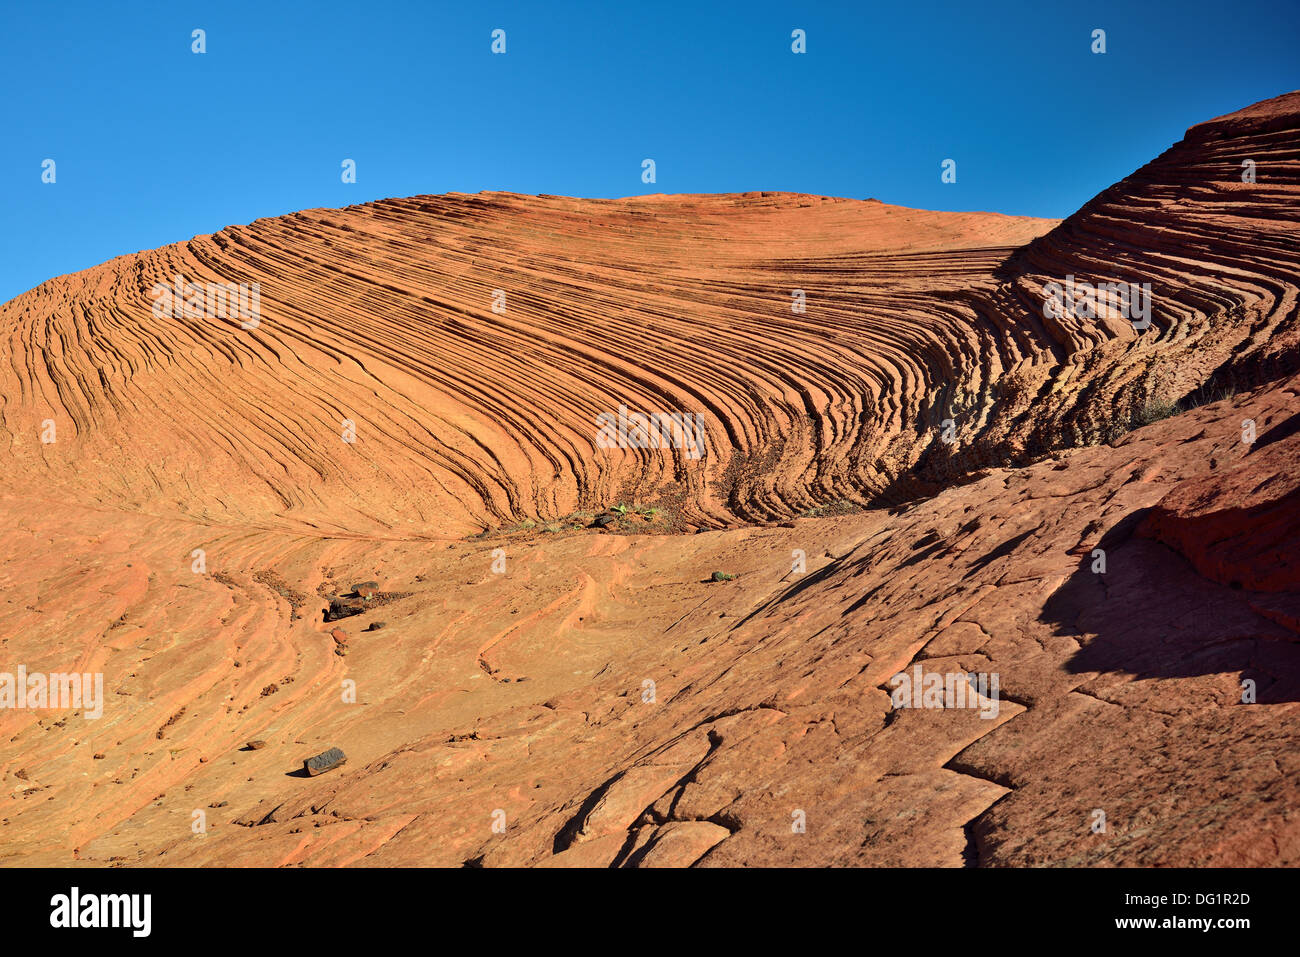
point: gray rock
(325, 761)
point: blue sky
(155, 144)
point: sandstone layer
(920, 469)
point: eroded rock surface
(548, 693)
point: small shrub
(1155, 410)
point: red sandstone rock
(665, 721)
(1240, 527)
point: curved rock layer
(473, 341)
(182, 515)
(383, 315)
(600, 701)
(1221, 258)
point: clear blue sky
(155, 144)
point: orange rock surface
(921, 469)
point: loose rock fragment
(344, 607)
(325, 761)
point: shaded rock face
(344, 608)
(574, 697)
(1240, 529)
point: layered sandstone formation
(921, 468)
(382, 315)
(1221, 257)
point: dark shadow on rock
(1151, 615)
(1006, 548)
(1283, 430)
(805, 582)
(567, 836)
